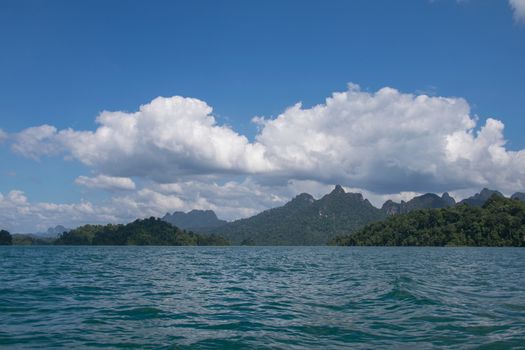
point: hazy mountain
(518, 195)
(52, 232)
(304, 220)
(194, 220)
(426, 201)
(479, 199)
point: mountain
(194, 220)
(52, 232)
(519, 195)
(479, 199)
(426, 201)
(499, 222)
(304, 220)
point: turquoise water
(267, 297)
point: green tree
(5, 238)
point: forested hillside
(499, 222)
(152, 231)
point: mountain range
(304, 220)
(307, 221)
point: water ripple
(267, 297)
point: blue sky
(62, 63)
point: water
(262, 297)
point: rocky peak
(338, 190)
(448, 199)
(194, 220)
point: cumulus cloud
(110, 183)
(384, 141)
(165, 139)
(389, 142)
(518, 6)
(37, 141)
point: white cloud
(37, 141)
(167, 138)
(518, 6)
(229, 200)
(3, 136)
(18, 214)
(106, 182)
(385, 144)
(388, 142)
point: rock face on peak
(448, 200)
(426, 201)
(338, 190)
(195, 220)
(479, 199)
(304, 220)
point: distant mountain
(53, 232)
(304, 220)
(479, 199)
(195, 220)
(519, 195)
(426, 201)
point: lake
(262, 297)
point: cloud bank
(229, 200)
(384, 141)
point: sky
(116, 110)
